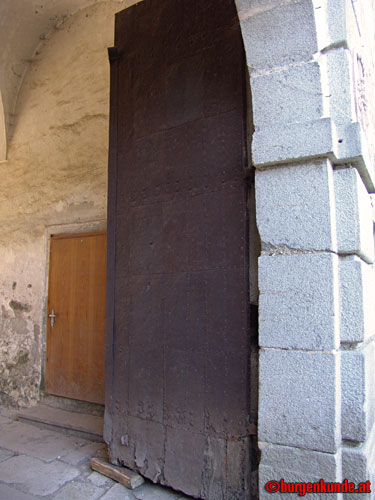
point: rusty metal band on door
(177, 404)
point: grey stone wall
(311, 66)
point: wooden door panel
(178, 336)
(75, 345)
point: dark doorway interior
(178, 318)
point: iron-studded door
(178, 306)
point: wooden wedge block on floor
(122, 475)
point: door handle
(52, 316)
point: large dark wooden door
(178, 307)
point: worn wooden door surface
(178, 325)
(75, 342)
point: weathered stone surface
(150, 492)
(358, 392)
(20, 333)
(331, 22)
(294, 24)
(299, 302)
(295, 464)
(79, 491)
(357, 464)
(354, 224)
(294, 385)
(84, 453)
(34, 476)
(338, 66)
(357, 291)
(38, 443)
(118, 492)
(273, 92)
(249, 8)
(3, 420)
(295, 207)
(8, 493)
(5, 454)
(350, 147)
(360, 28)
(144, 492)
(295, 141)
(100, 480)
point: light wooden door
(76, 317)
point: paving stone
(79, 491)
(153, 492)
(39, 443)
(4, 420)
(84, 453)
(118, 492)
(33, 476)
(5, 454)
(8, 413)
(58, 468)
(7, 493)
(84, 469)
(100, 480)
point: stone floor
(37, 463)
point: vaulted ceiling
(24, 25)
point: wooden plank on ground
(123, 475)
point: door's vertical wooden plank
(97, 306)
(111, 241)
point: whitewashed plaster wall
(55, 180)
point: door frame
(94, 226)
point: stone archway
(315, 168)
